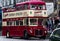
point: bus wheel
(7, 35)
(25, 35)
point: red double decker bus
(25, 20)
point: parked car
(55, 35)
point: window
(40, 21)
(11, 23)
(8, 23)
(17, 1)
(20, 0)
(25, 0)
(19, 7)
(33, 7)
(33, 21)
(25, 6)
(26, 21)
(43, 6)
(17, 23)
(21, 22)
(6, 3)
(40, 6)
(9, 2)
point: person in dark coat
(57, 21)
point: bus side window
(25, 6)
(8, 23)
(14, 23)
(26, 21)
(40, 21)
(11, 23)
(17, 22)
(33, 21)
(21, 22)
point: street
(3, 38)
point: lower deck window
(33, 21)
(21, 23)
(8, 23)
(40, 21)
(26, 22)
(17, 22)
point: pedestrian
(56, 21)
(53, 23)
(49, 21)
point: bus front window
(33, 21)
(40, 21)
(41, 7)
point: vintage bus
(25, 20)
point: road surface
(3, 38)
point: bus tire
(8, 34)
(26, 35)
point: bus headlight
(44, 26)
(45, 31)
(44, 13)
(30, 31)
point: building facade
(6, 3)
(10, 3)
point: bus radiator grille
(38, 32)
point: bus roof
(31, 2)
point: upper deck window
(22, 7)
(41, 7)
(33, 7)
(25, 6)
